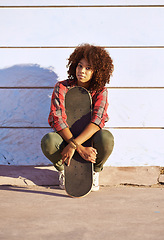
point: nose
(83, 70)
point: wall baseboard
(110, 176)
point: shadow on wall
(27, 75)
(25, 92)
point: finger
(91, 159)
(64, 158)
(69, 161)
(65, 162)
(94, 150)
(93, 156)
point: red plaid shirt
(57, 117)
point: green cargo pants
(52, 145)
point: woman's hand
(87, 153)
(67, 154)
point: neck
(84, 85)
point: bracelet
(73, 140)
(72, 145)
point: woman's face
(84, 73)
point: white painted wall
(34, 46)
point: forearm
(66, 134)
(88, 132)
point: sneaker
(95, 186)
(61, 179)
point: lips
(81, 76)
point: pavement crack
(134, 185)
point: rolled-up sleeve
(57, 117)
(100, 106)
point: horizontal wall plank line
(139, 128)
(52, 87)
(27, 87)
(135, 87)
(86, 6)
(68, 47)
(22, 127)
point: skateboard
(79, 174)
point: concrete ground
(113, 213)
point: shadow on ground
(29, 175)
(49, 191)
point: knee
(50, 143)
(45, 143)
(108, 140)
(104, 140)
(107, 137)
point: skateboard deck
(79, 174)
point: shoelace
(95, 179)
(61, 178)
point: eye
(79, 65)
(88, 68)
